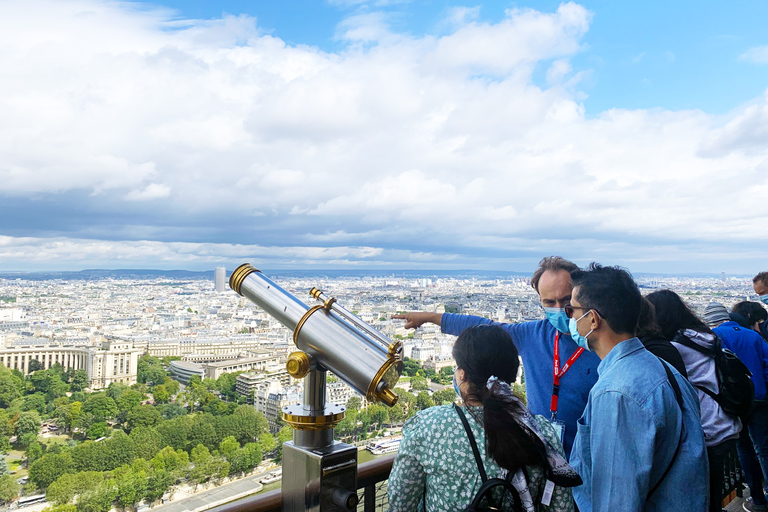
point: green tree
(79, 380)
(285, 435)
(379, 414)
(9, 489)
(410, 367)
(35, 365)
(354, 403)
(10, 387)
(228, 446)
(131, 485)
(34, 451)
(174, 462)
(419, 383)
(147, 441)
(158, 484)
(101, 406)
(70, 485)
(142, 416)
(267, 442)
(6, 427)
(34, 402)
(69, 415)
(446, 396)
(99, 498)
(161, 394)
(171, 385)
(424, 401)
(97, 430)
(44, 471)
(129, 399)
(174, 433)
(28, 423)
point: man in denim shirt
(633, 433)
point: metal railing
(371, 479)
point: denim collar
(618, 352)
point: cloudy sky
(383, 134)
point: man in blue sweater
(750, 348)
(558, 374)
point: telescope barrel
(355, 356)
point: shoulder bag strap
(683, 340)
(472, 442)
(679, 398)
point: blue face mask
(574, 330)
(456, 387)
(763, 298)
(557, 318)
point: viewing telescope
(320, 474)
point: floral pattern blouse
(435, 469)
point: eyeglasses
(569, 310)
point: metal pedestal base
(319, 479)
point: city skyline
(354, 134)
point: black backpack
(484, 498)
(737, 392)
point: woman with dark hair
(751, 315)
(721, 431)
(436, 468)
(649, 333)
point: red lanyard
(557, 373)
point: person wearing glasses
(639, 445)
(558, 373)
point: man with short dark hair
(558, 373)
(640, 445)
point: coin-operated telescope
(320, 474)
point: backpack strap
(517, 504)
(685, 341)
(679, 398)
(478, 459)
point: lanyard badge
(557, 374)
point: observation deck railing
(372, 479)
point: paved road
(204, 500)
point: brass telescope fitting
(239, 275)
(298, 365)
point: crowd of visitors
(633, 403)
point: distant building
(438, 362)
(270, 402)
(241, 364)
(422, 353)
(248, 383)
(182, 371)
(220, 279)
(338, 393)
(113, 361)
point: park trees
(44, 471)
(101, 406)
(147, 441)
(28, 423)
(9, 489)
(142, 416)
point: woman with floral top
(436, 470)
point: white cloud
(152, 191)
(436, 145)
(757, 54)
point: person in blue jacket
(750, 348)
(558, 373)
